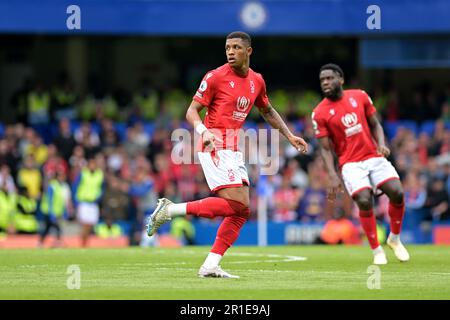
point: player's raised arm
(326, 152)
(193, 117)
(274, 119)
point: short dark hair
(333, 67)
(241, 35)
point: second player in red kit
(346, 122)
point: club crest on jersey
(231, 175)
(332, 112)
(232, 84)
(350, 121)
(353, 102)
(252, 87)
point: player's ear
(249, 50)
(341, 81)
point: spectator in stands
(53, 164)
(9, 156)
(88, 139)
(108, 229)
(38, 102)
(77, 161)
(286, 201)
(109, 138)
(115, 200)
(146, 102)
(64, 99)
(143, 195)
(6, 180)
(415, 191)
(438, 201)
(30, 177)
(64, 140)
(38, 150)
(25, 221)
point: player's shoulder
(213, 74)
(256, 75)
(320, 108)
(356, 92)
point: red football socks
(227, 234)
(369, 225)
(216, 207)
(396, 212)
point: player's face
(238, 52)
(330, 83)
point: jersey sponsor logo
(252, 87)
(242, 103)
(232, 84)
(350, 121)
(203, 86)
(353, 102)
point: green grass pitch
(275, 272)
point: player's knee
(364, 200)
(241, 208)
(397, 196)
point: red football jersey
(229, 98)
(345, 122)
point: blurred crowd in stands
(129, 139)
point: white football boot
(214, 272)
(399, 250)
(159, 216)
(379, 257)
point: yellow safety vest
(26, 222)
(38, 103)
(5, 210)
(103, 231)
(148, 106)
(90, 187)
(58, 200)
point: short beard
(335, 94)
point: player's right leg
(222, 172)
(358, 185)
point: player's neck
(338, 96)
(242, 71)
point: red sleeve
(319, 125)
(262, 101)
(369, 108)
(206, 91)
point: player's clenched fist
(382, 149)
(299, 144)
(208, 140)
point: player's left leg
(394, 190)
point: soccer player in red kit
(228, 93)
(346, 121)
